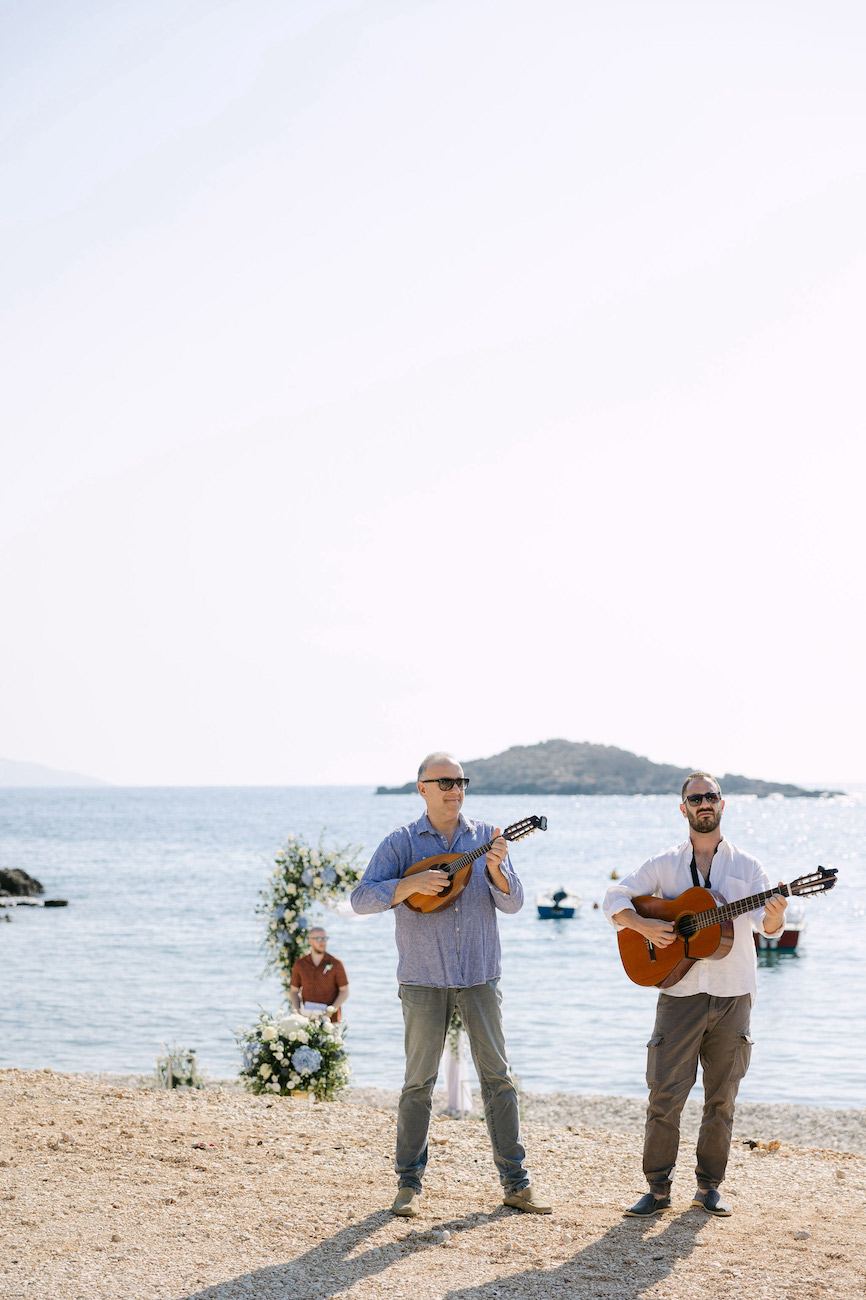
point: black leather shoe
(647, 1206)
(712, 1203)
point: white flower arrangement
(292, 1052)
(302, 876)
(178, 1068)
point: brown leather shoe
(407, 1203)
(528, 1200)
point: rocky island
(580, 767)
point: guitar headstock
(525, 827)
(817, 882)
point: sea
(161, 944)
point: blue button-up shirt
(459, 946)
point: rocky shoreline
(832, 1128)
(117, 1192)
(808, 1126)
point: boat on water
(557, 904)
(789, 936)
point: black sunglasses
(697, 799)
(447, 782)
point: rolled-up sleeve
(643, 881)
(374, 892)
(513, 900)
(759, 884)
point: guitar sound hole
(686, 927)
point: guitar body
(451, 892)
(662, 967)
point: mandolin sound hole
(687, 927)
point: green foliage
(302, 876)
(178, 1068)
(282, 1053)
(455, 1029)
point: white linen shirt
(734, 875)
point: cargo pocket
(654, 1059)
(743, 1056)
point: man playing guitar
(705, 1015)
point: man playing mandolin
(705, 1014)
(449, 958)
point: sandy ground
(105, 1191)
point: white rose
(269, 1033)
(265, 1071)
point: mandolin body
(451, 892)
(662, 967)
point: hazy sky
(382, 377)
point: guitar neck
(728, 911)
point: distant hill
(14, 773)
(579, 767)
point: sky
(385, 377)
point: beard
(704, 825)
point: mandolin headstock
(817, 882)
(526, 826)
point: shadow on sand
(622, 1264)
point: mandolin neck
(728, 911)
(465, 858)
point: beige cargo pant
(714, 1031)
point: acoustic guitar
(704, 924)
(459, 867)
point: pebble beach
(115, 1190)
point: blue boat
(557, 905)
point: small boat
(557, 904)
(33, 902)
(789, 936)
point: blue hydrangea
(279, 911)
(306, 1060)
(328, 875)
(252, 1054)
(307, 875)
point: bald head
(438, 756)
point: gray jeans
(716, 1032)
(426, 1015)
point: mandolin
(459, 867)
(704, 923)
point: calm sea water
(161, 944)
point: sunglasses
(447, 782)
(697, 799)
